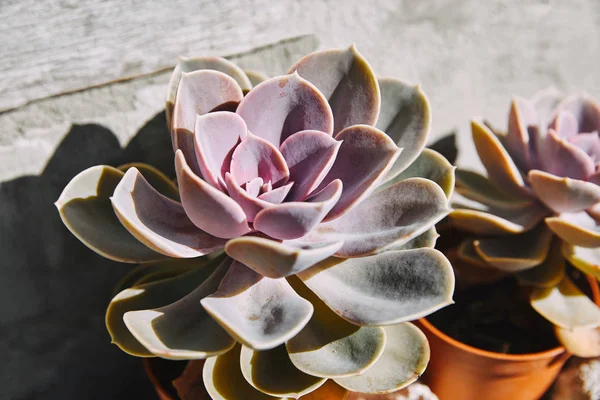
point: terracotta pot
(457, 371)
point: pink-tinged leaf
(588, 142)
(565, 125)
(157, 221)
(406, 117)
(254, 186)
(216, 135)
(254, 158)
(346, 79)
(562, 158)
(584, 109)
(208, 208)
(200, 92)
(186, 64)
(522, 119)
(389, 217)
(383, 289)
(578, 229)
(309, 156)
(260, 312)
(564, 194)
(250, 204)
(184, 140)
(284, 105)
(276, 196)
(498, 163)
(293, 220)
(276, 259)
(365, 156)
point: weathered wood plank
(471, 56)
(30, 134)
(49, 47)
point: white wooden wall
(471, 56)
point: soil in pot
(497, 317)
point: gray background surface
(84, 82)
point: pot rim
(556, 351)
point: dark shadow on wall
(54, 291)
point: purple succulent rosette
(318, 188)
(539, 204)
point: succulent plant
(539, 204)
(317, 186)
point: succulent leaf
(272, 372)
(208, 208)
(564, 194)
(404, 359)
(279, 259)
(522, 119)
(516, 252)
(492, 220)
(585, 259)
(157, 221)
(581, 342)
(294, 219)
(152, 295)
(478, 188)
(363, 146)
(187, 64)
(155, 178)
(425, 239)
(429, 165)
(549, 273)
(575, 163)
(566, 306)
(85, 209)
(183, 330)
(578, 229)
(284, 105)
(500, 167)
(329, 346)
(384, 289)
(467, 252)
(389, 217)
(347, 81)
(200, 92)
(223, 379)
(406, 117)
(260, 312)
(309, 156)
(216, 134)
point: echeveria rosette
(539, 203)
(300, 234)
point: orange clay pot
(457, 371)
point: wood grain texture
(471, 56)
(30, 134)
